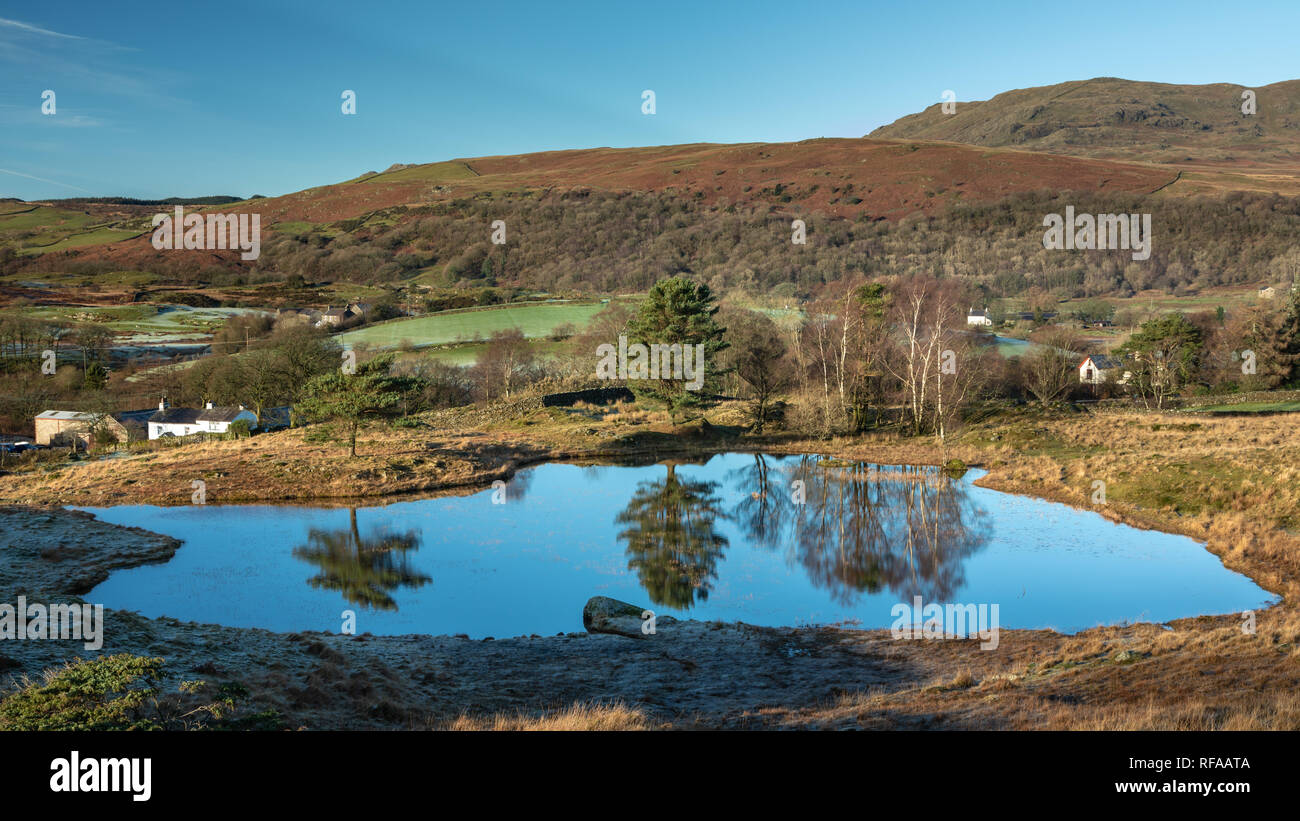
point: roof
(135, 415)
(1104, 363)
(175, 416)
(66, 416)
(978, 313)
(191, 416)
(221, 414)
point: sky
(195, 99)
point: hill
(1197, 129)
(612, 221)
(835, 177)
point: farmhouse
(332, 317)
(1098, 369)
(168, 421)
(64, 428)
(979, 318)
(1267, 292)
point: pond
(767, 540)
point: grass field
(447, 327)
(36, 230)
(1251, 407)
(97, 236)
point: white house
(981, 318)
(167, 421)
(1097, 369)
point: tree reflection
(672, 539)
(862, 528)
(365, 570)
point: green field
(97, 236)
(448, 327)
(36, 230)
(467, 354)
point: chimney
(208, 405)
(162, 404)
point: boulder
(605, 615)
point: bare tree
(504, 363)
(758, 355)
(1051, 369)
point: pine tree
(352, 398)
(678, 311)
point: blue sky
(241, 98)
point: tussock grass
(576, 717)
(1239, 711)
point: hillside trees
(605, 241)
(272, 372)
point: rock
(605, 615)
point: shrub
(121, 692)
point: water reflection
(722, 539)
(864, 528)
(364, 569)
(672, 540)
(853, 528)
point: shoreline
(822, 676)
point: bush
(121, 692)
(109, 693)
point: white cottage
(979, 318)
(1097, 369)
(167, 421)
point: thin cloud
(42, 179)
(18, 24)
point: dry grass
(577, 717)
(1240, 711)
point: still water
(767, 540)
